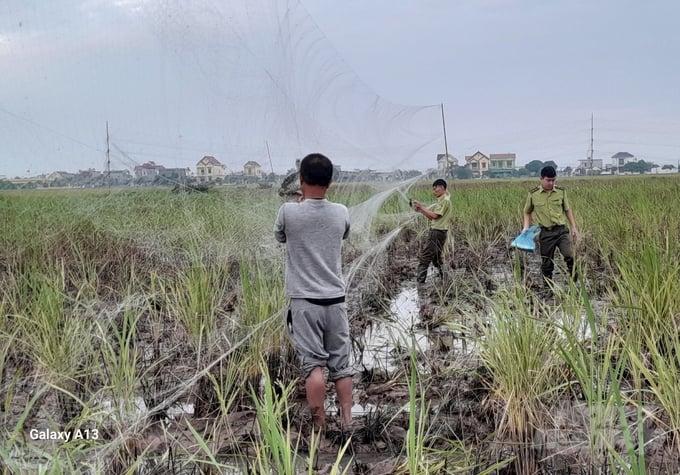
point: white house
(209, 168)
(251, 168)
(445, 162)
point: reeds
(111, 299)
(518, 347)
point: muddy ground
(460, 410)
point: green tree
(462, 173)
(550, 163)
(638, 167)
(412, 173)
(7, 185)
(534, 167)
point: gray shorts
(320, 336)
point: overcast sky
(177, 80)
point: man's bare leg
(315, 386)
(343, 387)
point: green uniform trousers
(555, 237)
(431, 252)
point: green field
(119, 306)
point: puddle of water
(178, 410)
(358, 410)
(397, 333)
(578, 326)
(137, 409)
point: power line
(49, 129)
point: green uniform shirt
(547, 207)
(444, 209)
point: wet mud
(397, 327)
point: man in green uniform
(440, 216)
(549, 207)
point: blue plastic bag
(526, 240)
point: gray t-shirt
(313, 232)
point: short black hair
(316, 169)
(439, 182)
(548, 171)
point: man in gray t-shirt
(313, 230)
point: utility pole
(270, 157)
(108, 157)
(446, 145)
(590, 153)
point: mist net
(241, 81)
(249, 80)
(271, 77)
(280, 90)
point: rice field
(141, 331)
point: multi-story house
(148, 170)
(209, 168)
(619, 159)
(589, 166)
(502, 165)
(445, 163)
(251, 168)
(478, 163)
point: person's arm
(422, 209)
(347, 225)
(572, 222)
(569, 215)
(528, 209)
(279, 227)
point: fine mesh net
(240, 81)
(177, 80)
(271, 76)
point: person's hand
(300, 198)
(575, 233)
(417, 205)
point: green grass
(109, 296)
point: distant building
(446, 162)
(59, 175)
(19, 181)
(88, 175)
(502, 165)
(174, 175)
(589, 166)
(209, 168)
(619, 159)
(252, 168)
(117, 177)
(662, 170)
(478, 163)
(147, 170)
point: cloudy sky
(271, 80)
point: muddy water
(398, 331)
